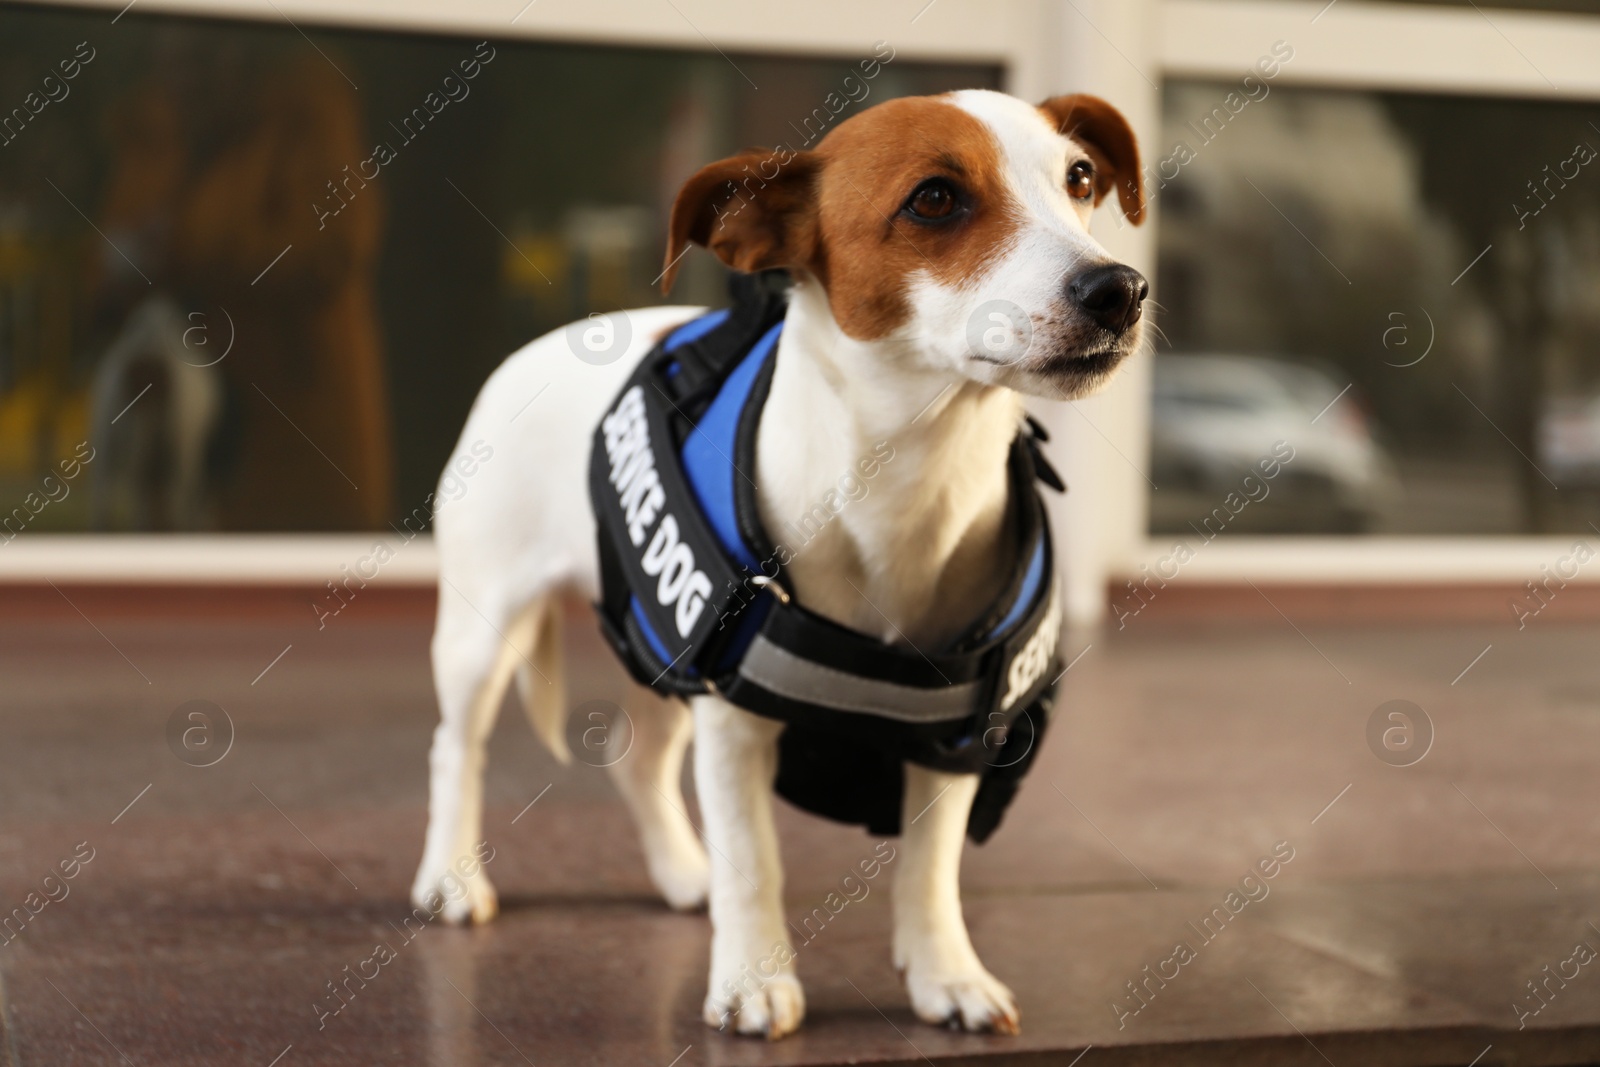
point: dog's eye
(1080, 180)
(931, 201)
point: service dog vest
(693, 595)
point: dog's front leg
(946, 981)
(753, 985)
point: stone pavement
(1419, 903)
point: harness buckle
(761, 581)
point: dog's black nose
(1111, 295)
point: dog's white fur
(914, 561)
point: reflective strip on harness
(782, 672)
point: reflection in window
(251, 284)
(1406, 289)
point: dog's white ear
(1102, 130)
(754, 211)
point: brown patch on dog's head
(844, 212)
(1106, 136)
(874, 240)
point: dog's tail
(542, 680)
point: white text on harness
(668, 558)
(1034, 659)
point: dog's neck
(913, 547)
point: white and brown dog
(897, 229)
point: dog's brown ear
(754, 211)
(1102, 130)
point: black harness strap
(759, 302)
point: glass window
(1403, 289)
(251, 280)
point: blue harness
(693, 598)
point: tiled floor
(1418, 904)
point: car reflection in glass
(1216, 417)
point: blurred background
(206, 280)
(189, 155)
(1390, 195)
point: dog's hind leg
(648, 773)
(541, 679)
(946, 980)
(473, 659)
(649, 778)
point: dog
(898, 229)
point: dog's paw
(773, 1010)
(456, 900)
(968, 998)
(683, 878)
